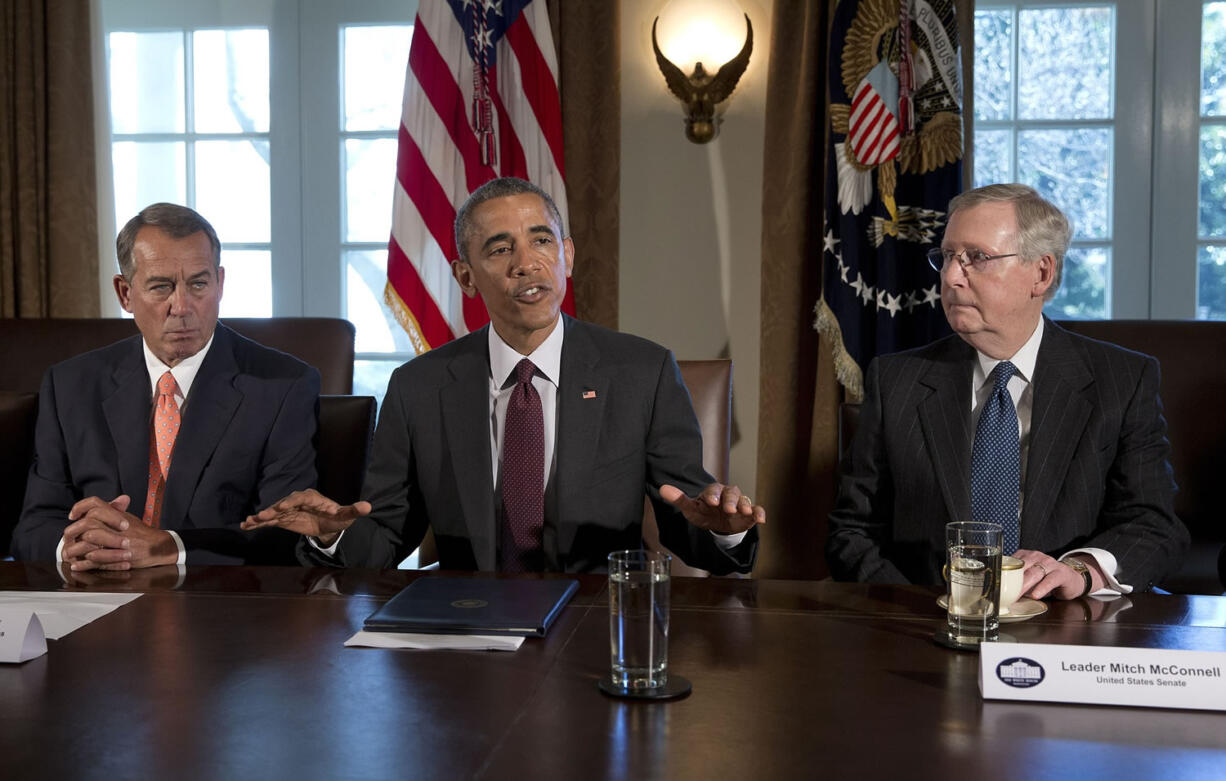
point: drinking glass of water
(972, 571)
(638, 619)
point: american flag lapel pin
(589, 394)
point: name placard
(21, 635)
(1145, 677)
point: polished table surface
(240, 672)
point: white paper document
(422, 641)
(21, 635)
(61, 612)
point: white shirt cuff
(328, 551)
(1109, 566)
(729, 541)
(182, 559)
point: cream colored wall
(691, 221)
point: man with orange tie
(152, 450)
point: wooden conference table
(240, 672)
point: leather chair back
(31, 345)
(18, 413)
(710, 387)
(1193, 389)
(342, 447)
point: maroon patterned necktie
(523, 475)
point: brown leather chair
(30, 345)
(342, 447)
(18, 413)
(1193, 387)
(710, 387)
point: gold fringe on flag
(405, 317)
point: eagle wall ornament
(701, 92)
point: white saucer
(1021, 610)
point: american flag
(480, 101)
(873, 125)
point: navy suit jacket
(1097, 474)
(245, 441)
(625, 426)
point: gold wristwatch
(1080, 568)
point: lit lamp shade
(706, 31)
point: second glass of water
(973, 552)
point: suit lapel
(465, 405)
(210, 405)
(1058, 417)
(582, 394)
(945, 420)
(127, 409)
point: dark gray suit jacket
(636, 430)
(245, 441)
(1097, 474)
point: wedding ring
(1040, 566)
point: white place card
(1100, 675)
(21, 635)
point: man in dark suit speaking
(529, 444)
(1013, 420)
(153, 450)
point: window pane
(147, 172)
(1213, 60)
(370, 170)
(376, 326)
(370, 377)
(231, 81)
(1071, 168)
(232, 189)
(146, 82)
(248, 285)
(993, 65)
(1064, 63)
(1211, 284)
(1083, 293)
(1213, 182)
(375, 59)
(991, 152)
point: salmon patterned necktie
(161, 447)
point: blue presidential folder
(474, 606)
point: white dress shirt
(1021, 390)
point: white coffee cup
(1010, 582)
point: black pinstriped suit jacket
(1097, 474)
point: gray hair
(177, 222)
(1042, 228)
(498, 188)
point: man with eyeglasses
(1012, 419)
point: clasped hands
(103, 535)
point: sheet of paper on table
(421, 641)
(61, 612)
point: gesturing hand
(311, 513)
(721, 508)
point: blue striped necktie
(996, 460)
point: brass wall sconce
(690, 39)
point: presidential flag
(480, 102)
(894, 163)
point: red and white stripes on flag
(872, 134)
(480, 101)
